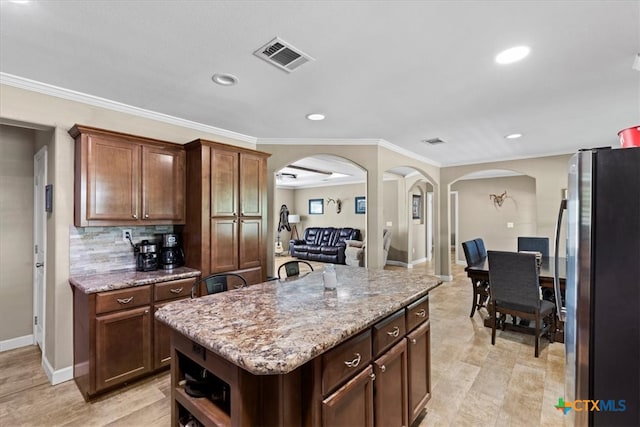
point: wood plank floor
(473, 382)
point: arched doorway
(318, 191)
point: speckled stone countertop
(129, 278)
(277, 326)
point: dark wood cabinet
(123, 346)
(351, 404)
(115, 338)
(123, 179)
(419, 369)
(226, 205)
(390, 387)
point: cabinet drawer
(345, 360)
(388, 331)
(417, 312)
(174, 289)
(123, 298)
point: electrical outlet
(509, 225)
(127, 233)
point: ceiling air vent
(433, 141)
(282, 55)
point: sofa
(356, 250)
(324, 244)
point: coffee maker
(171, 254)
(146, 256)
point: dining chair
(480, 287)
(292, 268)
(482, 251)
(515, 290)
(219, 282)
(534, 244)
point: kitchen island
(291, 353)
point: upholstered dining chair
(292, 268)
(480, 287)
(515, 290)
(534, 244)
(219, 282)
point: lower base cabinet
(419, 369)
(123, 346)
(115, 338)
(390, 387)
(352, 404)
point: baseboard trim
(398, 263)
(418, 261)
(59, 376)
(448, 278)
(18, 342)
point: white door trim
(39, 240)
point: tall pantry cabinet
(226, 210)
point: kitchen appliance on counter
(171, 254)
(146, 253)
(601, 308)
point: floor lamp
(293, 220)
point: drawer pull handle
(395, 332)
(176, 291)
(383, 368)
(421, 313)
(125, 300)
(355, 362)
(413, 341)
(239, 286)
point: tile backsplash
(101, 249)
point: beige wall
(550, 174)
(16, 231)
(347, 216)
(479, 217)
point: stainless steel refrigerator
(601, 308)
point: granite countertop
(101, 282)
(277, 326)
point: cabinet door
(252, 185)
(250, 243)
(224, 183)
(390, 387)
(123, 346)
(163, 184)
(351, 404)
(113, 169)
(224, 245)
(419, 368)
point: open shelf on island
(203, 409)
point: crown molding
(58, 92)
(346, 141)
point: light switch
(389, 224)
(509, 225)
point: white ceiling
(401, 71)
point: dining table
(479, 272)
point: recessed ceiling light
(513, 136)
(512, 55)
(224, 79)
(315, 116)
(20, 1)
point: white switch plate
(509, 225)
(389, 224)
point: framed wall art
(316, 206)
(416, 206)
(361, 205)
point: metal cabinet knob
(383, 368)
(39, 264)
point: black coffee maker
(146, 256)
(171, 254)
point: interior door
(39, 244)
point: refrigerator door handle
(560, 309)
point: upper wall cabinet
(123, 179)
